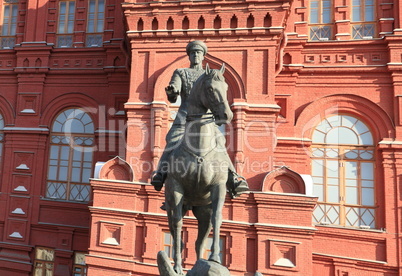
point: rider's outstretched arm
(174, 88)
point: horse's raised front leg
(203, 215)
(174, 208)
(218, 199)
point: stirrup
(163, 207)
(241, 185)
(236, 184)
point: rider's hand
(171, 90)
(171, 93)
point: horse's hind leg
(203, 215)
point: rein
(200, 160)
(198, 117)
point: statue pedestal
(208, 268)
(201, 267)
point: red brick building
(62, 89)
(316, 91)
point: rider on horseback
(181, 83)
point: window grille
(363, 31)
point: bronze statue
(200, 162)
(181, 84)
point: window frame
(82, 267)
(222, 244)
(206, 252)
(345, 210)
(168, 246)
(363, 28)
(67, 20)
(65, 37)
(67, 147)
(8, 35)
(43, 263)
(363, 9)
(321, 30)
(94, 34)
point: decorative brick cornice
(288, 200)
(115, 186)
(206, 18)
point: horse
(200, 166)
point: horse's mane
(214, 74)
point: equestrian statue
(195, 167)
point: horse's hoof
(178, 270)
(215, 259)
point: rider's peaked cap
(196, 45)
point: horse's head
(214, 97)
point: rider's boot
(157, 179)
(236, 184)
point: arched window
(343, 172)
(70, 157)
